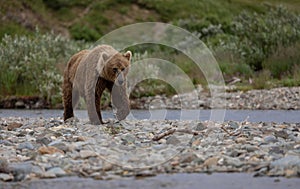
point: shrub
(260, 35)
(29, 64)
(282, 62)
(262, 80)
(80, 32)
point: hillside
(90, 19)
(256, 42)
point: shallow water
(278, 116)
(171, 181)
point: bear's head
(116, 67)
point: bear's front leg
(100, 87)
(91, 107)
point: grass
(56, 13)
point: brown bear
(88, 73)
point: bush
(80, 32)
(282, 62)
(30, 64)
(260, 35)
(262, 80)
(58, 4)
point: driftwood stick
(171, 131)
(225, 130)
(162, 135)
(234, 133)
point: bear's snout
(120, 79)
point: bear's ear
(101, 62)
(128, 55)
(104, 56)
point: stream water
(278, 116)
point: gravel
(283, 98)
(50, 148)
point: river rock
(49, 150)
(212, 161)
(87, 153)
(20, 170)
(14, 125)
(6, 177)
(241, 140)
(25, 145)
(43, 140)
(188, 157)
(286, 162)
(200, 127)
(6, 143)
(233, 125)
(245, 147)
(172, 140)
(57, 171)
(270, 139)
(3, 165)
(282, 133)
(128, 138)
(20, 104)
(233, 161)
(59, 145)
(277, 98)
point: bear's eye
(115, 70)
(122, 69)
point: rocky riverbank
(48, 148)
(285, 98)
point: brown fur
(89, 73)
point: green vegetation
(32, 65)
(257, 41)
